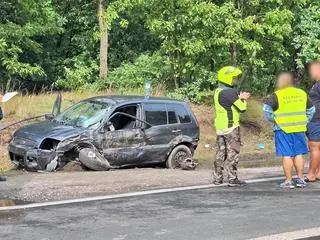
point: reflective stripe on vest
(291, 113)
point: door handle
(176, 130)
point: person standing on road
(290, 109)
(228, 106)
(313, 132)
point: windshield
(86, 113)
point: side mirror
(105, 127)
(49, 116)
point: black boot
(236, 182)
(217, 181)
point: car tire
(177, 155)
(93, 160)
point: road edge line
(129, 194)
(299, 234)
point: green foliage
(178, 44)
(307, 35)
(78, 77)
(22, 23)
(134, 75)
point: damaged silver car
(109, 132)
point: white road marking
(126, 195)
(306, 233)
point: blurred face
(284, 80)
(314, 71)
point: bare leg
(314, 159)
(318, 169)
(298, 162)
(318, 173)
(287, 167)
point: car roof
(130, 99)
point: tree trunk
(234, 53)
(298, 72)
(103, 40)
(299, 75)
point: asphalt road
(220, 213)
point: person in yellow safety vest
(290, 109)
(229, 104)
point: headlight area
(49, 144)
(38, 159)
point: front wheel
(179, 154)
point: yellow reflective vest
(291, 114)
(227, 116)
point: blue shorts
(290, 144)
(313, 132)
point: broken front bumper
(29, 158)
(35, 159)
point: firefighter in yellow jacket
(229, 104)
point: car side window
(156, 114)
(172, 116)
(119, 122)
(180, 112)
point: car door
(180, 120)
(159, 136)
(124, 146)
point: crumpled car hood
(47, 129)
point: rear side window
(178, 113)
(156, 114)
(172, 116)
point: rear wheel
(177, 156)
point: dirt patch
(5, 138)
(252, 126)
(73, 166)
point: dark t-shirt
(314, 94)
(1, 114)
(272, 101)
(228, 97)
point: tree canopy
(180, 45)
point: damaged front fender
(81, 147)
(93, 160)
(87, 151)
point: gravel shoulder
(37, 187)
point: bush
(80, 77)
(134, 75)
(198, 91)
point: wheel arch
(185, 142)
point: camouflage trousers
(227, 155)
